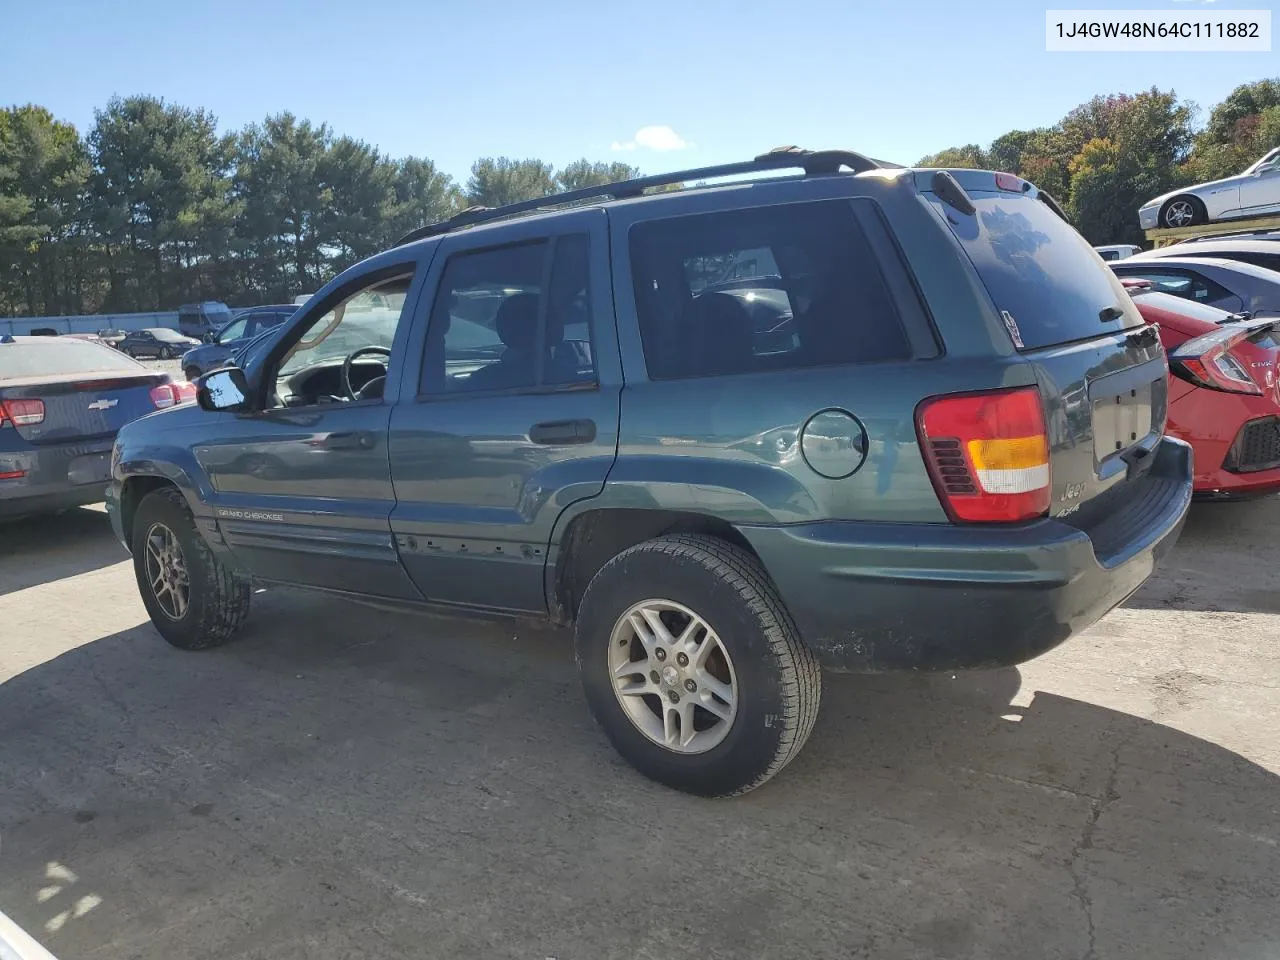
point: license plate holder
(90, 468)
(1121, 418)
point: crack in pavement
(1097, 807)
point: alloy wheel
(673, 676)
(1180, 214)
(167, 572)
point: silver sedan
(1251, 194)
(1226, 284)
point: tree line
(1107, 157)
(153, 207)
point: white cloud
(652, 138)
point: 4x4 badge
(1011, 325)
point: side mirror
(225, 390)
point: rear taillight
(1207, 362)
(21, 413)
(172, 394)
(988, 454)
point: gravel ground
(348, 783)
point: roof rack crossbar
(783, 158)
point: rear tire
(762, 682)
(213, 606)
(1183, 211)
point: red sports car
(1224, 394)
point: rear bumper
(54, 477)
(873, 597)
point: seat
(516, 323)
(718, 331)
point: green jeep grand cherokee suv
(853, 417)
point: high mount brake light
(987, 454)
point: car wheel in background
(166, 353)
(192, 372)
(1182, 212)
(693, 667)
(194, 600)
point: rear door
(1101, 370)
(513, 413)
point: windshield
(1043, 276)
(1270, 157)
(366, 319)
(45, 357)
(233, 330)
(1183, 307)
(164, 333)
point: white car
(1252, 194)
(1117, 251)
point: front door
(513, 414)
(303, 489)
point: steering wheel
(346, 366)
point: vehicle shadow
(343, 784)
(1225, 561)
(40, 549)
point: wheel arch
(1196, 202)
(595, 535)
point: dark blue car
(62, 400)
(243, 327)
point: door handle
(559, 432)
(343, 441)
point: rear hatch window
(1044, 278)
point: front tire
(1183, 212)
(192, 373)
(194, 600)
(166, 353)
(693, 667)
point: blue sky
(562, 79)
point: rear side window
(39, 359)
(1041, 274)
(770, 288)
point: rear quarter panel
(729, 446)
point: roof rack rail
(1233, 235)
(812, 162)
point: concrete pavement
(343, 782)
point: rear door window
(767, 288)
(513, 318)
(1041, 274)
